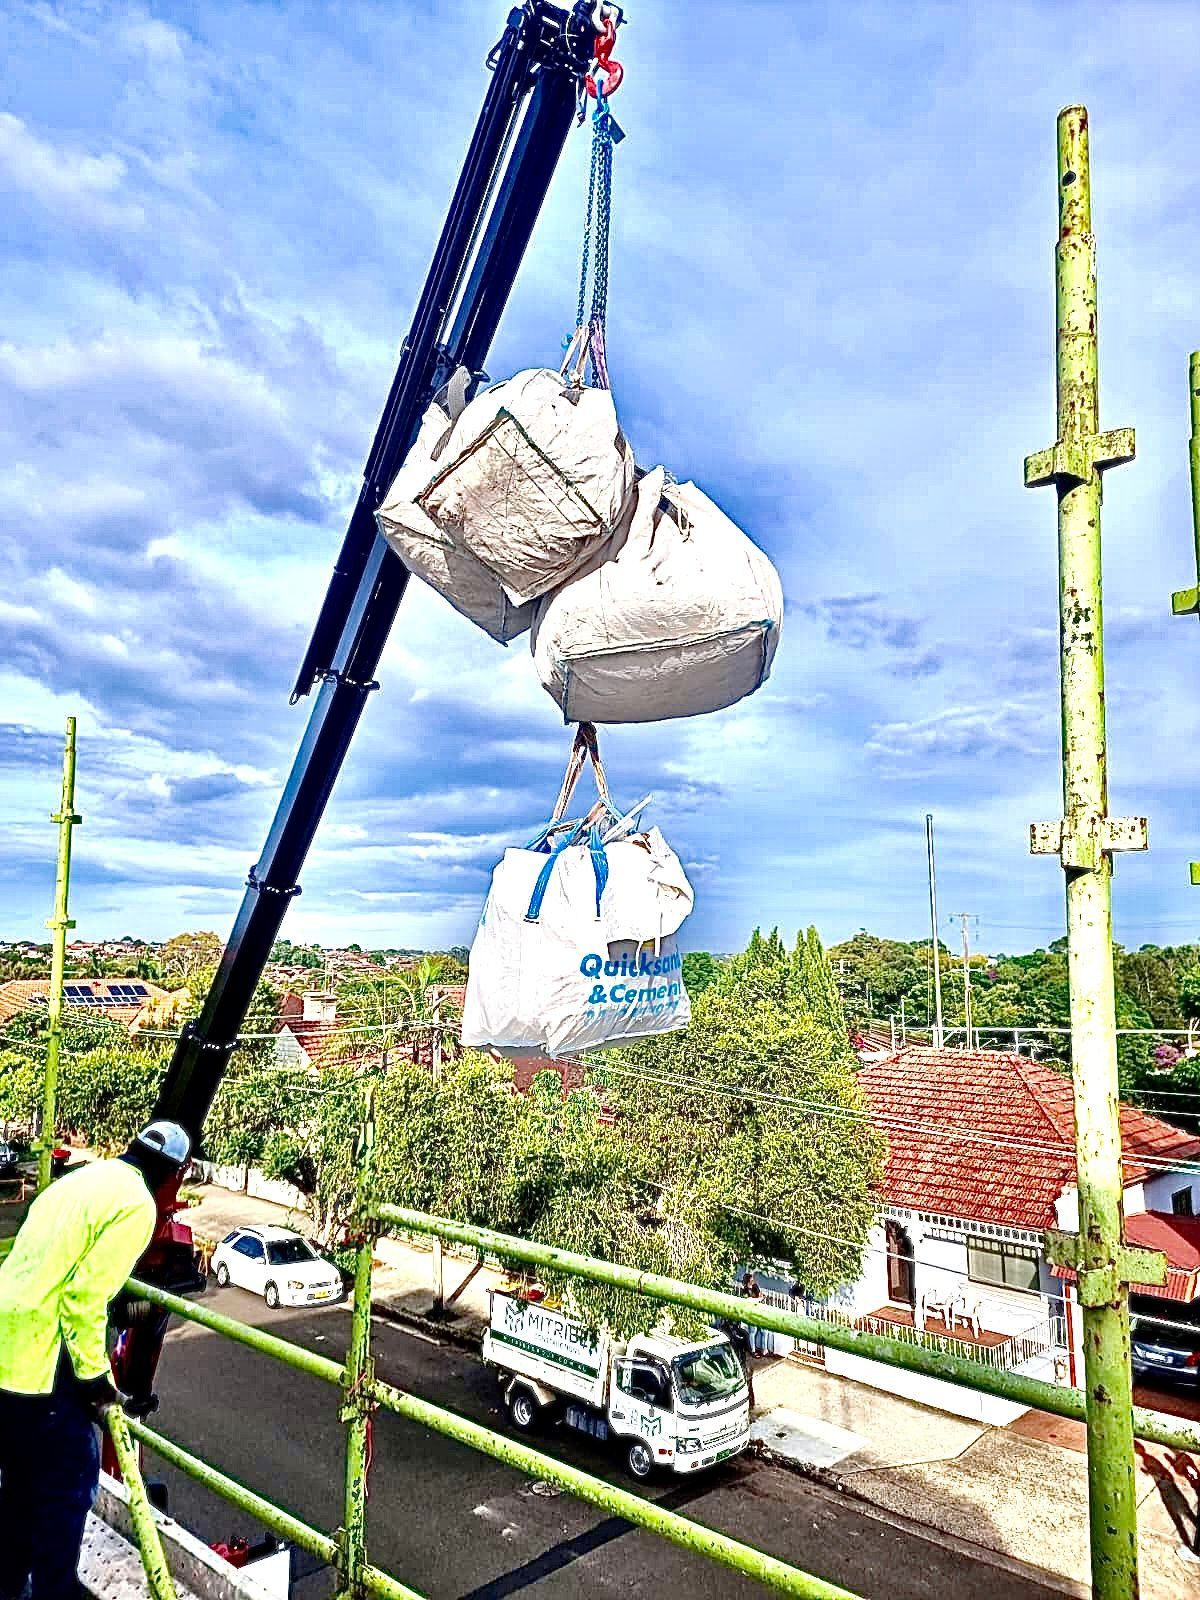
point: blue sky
(831, 304)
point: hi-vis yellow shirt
(75, 1249)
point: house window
(1007, 1266)
(1182, 1204)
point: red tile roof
(320, 1041)
(1179, 1240)
(960, 1126)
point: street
(453, 1523)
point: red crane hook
(613, 71)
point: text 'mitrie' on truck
(668, 1403)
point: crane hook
(611, 71)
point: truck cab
(671, 1404)
(682, 1405)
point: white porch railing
(1040, 1339)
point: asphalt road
(453, 1523)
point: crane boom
(538, 68)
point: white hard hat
(166, 1139)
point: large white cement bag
(679, 616)
(576, 948)
(533, 479)
(427, 552)
(558, 977)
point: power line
(883, 1121)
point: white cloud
(84, 186)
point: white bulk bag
(427, 552)
(533, 478)
(576, 947)
(679, 616)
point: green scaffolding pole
(358, 1403)
(1084, 840)
(66, 818)
(1186, 602)
(154, 1561)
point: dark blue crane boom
(539, 68)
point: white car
(278, 1264)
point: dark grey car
(9, 1158)
(1165, 1338)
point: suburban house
(981, 1161)
(132, 1001)
(306, 1030)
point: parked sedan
(10, 1158)
(278, 1264)
(1165, 1340)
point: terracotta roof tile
(990, 1136)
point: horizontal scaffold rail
(683, 1531)
(1033, 1392)
(280, 1522)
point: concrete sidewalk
(1022, 1497)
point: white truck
(667, 1403)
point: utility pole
(939, 1037)
(438, 1309)
(964, 917)
(903, 1026)
(66, 818)
(1084, 841)
(1186, 602)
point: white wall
(935, 1392)
(1159, 1189)
(942, 1262)
(1066, 1210)
(870, 1291)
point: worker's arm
(96, 1278)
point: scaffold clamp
(1072, 461)
(1081, 844)
(1101, 1285)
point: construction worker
(76, 1248)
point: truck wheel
(523, 1410)
(272, 1296)
(639, 1460)
(223, 1276)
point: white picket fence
(250, 1181)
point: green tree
(107, 1083)
(1189, 994)
(397, 1012)
(730, 1147)
(187, 956)
(700, 968)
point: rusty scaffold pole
(1085, 840)
(66, 818)
(1186, 602)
